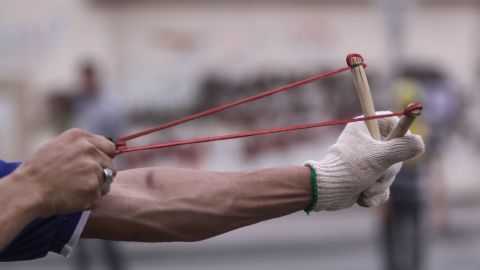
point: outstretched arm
(159, 204)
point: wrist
(21, 195)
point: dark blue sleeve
(42, 235)
(7, 168)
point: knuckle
(109, 146)
(418, 142)
(90, 166)
(75, 132)
(88, 149)
(102, 139)
(92, 186)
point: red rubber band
(232, 104)
(122, 147)
(412, 107)
(349, 59)
(121, 150)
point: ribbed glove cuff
(333, 184)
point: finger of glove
(378, 192)
(374, 201)
(356, 131)
(386, 125)
(400, 149)
(346, 204)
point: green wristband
(313, 175)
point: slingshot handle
(355, 61)
(413, 110)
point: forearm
(18, 209)
(156, 205)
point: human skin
(63, 176)
(163, 205)
(150, 204)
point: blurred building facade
(157, 54)
(166, 59)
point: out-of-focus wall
(45, 41)
(40, 45)
(41, 42)
(155, 54)
(243, 38)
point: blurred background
(116, 66)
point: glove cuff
(332, 183)
(313, 204)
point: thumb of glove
(400, 149)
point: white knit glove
(357, 163)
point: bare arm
(159, 205)
(156, 204)
(19, 208)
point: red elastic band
(349, 60)
(121, 150)
(122, 147)
(412, 107)
(122, 140)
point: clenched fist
(66, 174)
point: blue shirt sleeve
(54, 234)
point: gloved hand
(357, 163)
